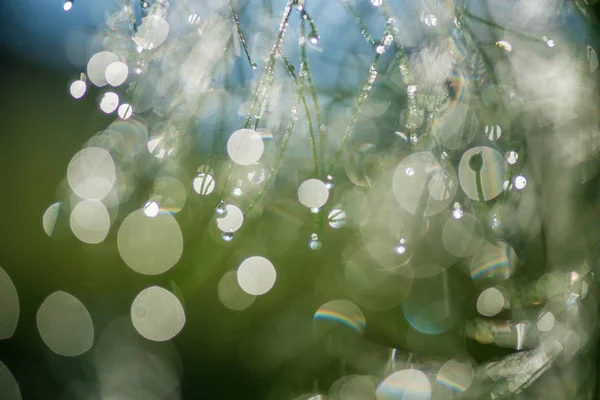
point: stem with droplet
(284, 142)
(363, 94)
(236, 20)
(300, 91)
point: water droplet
(401, 246)
(315, 210)
(403, 255)
(380, 49)
(520, 182)
(221, 209)
(254, 65)
(329, 182)
(377, 3)
(227, 236)
(512, 158)
(314, 243)
(313, 37)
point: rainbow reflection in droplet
(340, 312)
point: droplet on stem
(314, 243)
(221, 209)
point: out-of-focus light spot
(359, 387)
(157, 314)
(109, 102)
(231, 294)
(77, 89)
(65, 325)
(550, 43)
(313, 193)
(171, 193)
(8, 385)
(512, 158)
(422, 174)
(204, 184)
(481, 173)
(128, 366)
(152, 32)
(503, 44)
(90, 221)
(256, 275)
(9, 307)
(462, 236)
(232, 220)
(377, 3)
(96, 67)
(91, 173)
(68, 5)
(49, 219)
(150, 245)
(490, 302)
(430, 20)
(545, 321)
(337, 218)
(312, 396)
(456, 375)
(408, 384)
(520, 182)
(116, 73)
(339, 313)
(493, 262)
(245, 147)
(125, 110)
(493, 132)
(151, 209)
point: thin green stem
(358, 21)
(236, 20)
(264, 85)
(300, 89)
(305, 73)
(363, 94)
(284, 142)
(269, 70)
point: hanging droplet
(227, 236)
(221, 209)
(380, 49)
(329, 182)
(457, 211)
(401, 246)
(402, 252)
(315, 243)
(68, 5)
(253, 65)
(313, 37)
(315, 210)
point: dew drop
(254, 65)
(329, 182)
(314, 243)
(227, 236)
(221, 209)
(313, 37)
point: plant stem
(300, 90)
(284, 142)
(236, 20)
